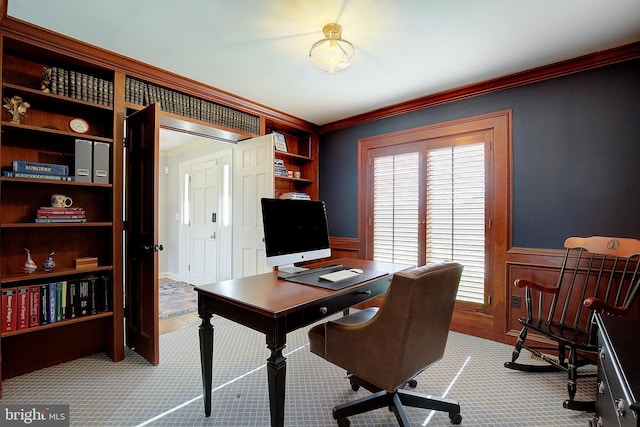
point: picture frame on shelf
(280, 141)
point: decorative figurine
(49, 264)
(45, 85)
(16, 107)
(29, 265)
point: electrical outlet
(516, 301)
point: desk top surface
(266, 293)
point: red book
(34, 305)
(9, 313)
(60, 211)
(22, 308)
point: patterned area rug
(176, 298)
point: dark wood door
(141, 233)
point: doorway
(190, 239)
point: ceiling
(405, 49)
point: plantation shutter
(396, 208)
(455, 210)
(456, 213)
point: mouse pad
(312, 278)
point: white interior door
(206, 228)
(252, 180)
(203, 227)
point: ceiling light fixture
(332, 54)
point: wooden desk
(276, 307)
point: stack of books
(35, 170)
(279, 169)
(295, 196)
(47, 214)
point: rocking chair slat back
(602, 267)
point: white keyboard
(336, 276)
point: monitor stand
(290, 268)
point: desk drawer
(334, 305)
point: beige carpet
(134, 393)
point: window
(436, 193)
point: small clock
(78, 125)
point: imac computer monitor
(294, 231)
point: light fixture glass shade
(332, 54)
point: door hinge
(188, 267)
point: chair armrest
(524, 283)
(596, 304)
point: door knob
(213, 235)
(153, 248)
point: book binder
(100, 162)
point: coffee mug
(61, 201)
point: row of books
(48, 214)
(37, 170)
(28, 306)
(82, 86)
(143, 93)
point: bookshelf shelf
(50, 97)
(293, 156)
(57, 225)
(13, 278)
(53, 131)
(67, 322)
(294, 180)
(53, 182)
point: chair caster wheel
(344, 422)
(412, 383)
(455, 418)
(354, 386)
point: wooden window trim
(490, 324)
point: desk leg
(276, 374)
(206, 359)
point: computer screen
(294, 231)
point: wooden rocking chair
(598, 274)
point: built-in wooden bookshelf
(43, 135)
(300, 157)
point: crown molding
(558, 69)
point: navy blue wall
(576, 156)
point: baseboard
(169, 275)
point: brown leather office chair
(384, 349)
